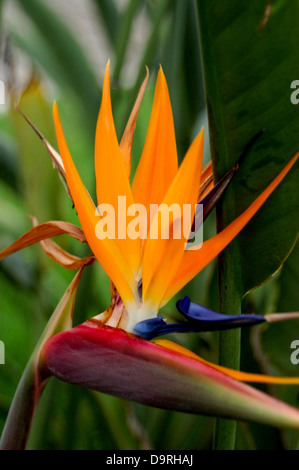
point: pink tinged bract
(113, 361)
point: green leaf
(64, 50)
(110, 17)
(251, 56)
(123, 35)
(160, 15)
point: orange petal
(112, 178)
(195, 260)
(158, 163)
(162, 256)
(106, 250)
(235, 374)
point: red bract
(113, 361)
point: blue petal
(154, 327)
(197, 318)
(210, 320)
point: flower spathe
(147, 273)
(160, 374)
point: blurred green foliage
(56, 67)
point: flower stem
(223, 160)
(229, 340)
(229, 356)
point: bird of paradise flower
(107, 353)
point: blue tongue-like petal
(197, 318)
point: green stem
(229, 354)
(230, 340)
(21, 413)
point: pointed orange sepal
(106, 250)
(113, 187)
(158, 163)
(195, 260)
(162, 256)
